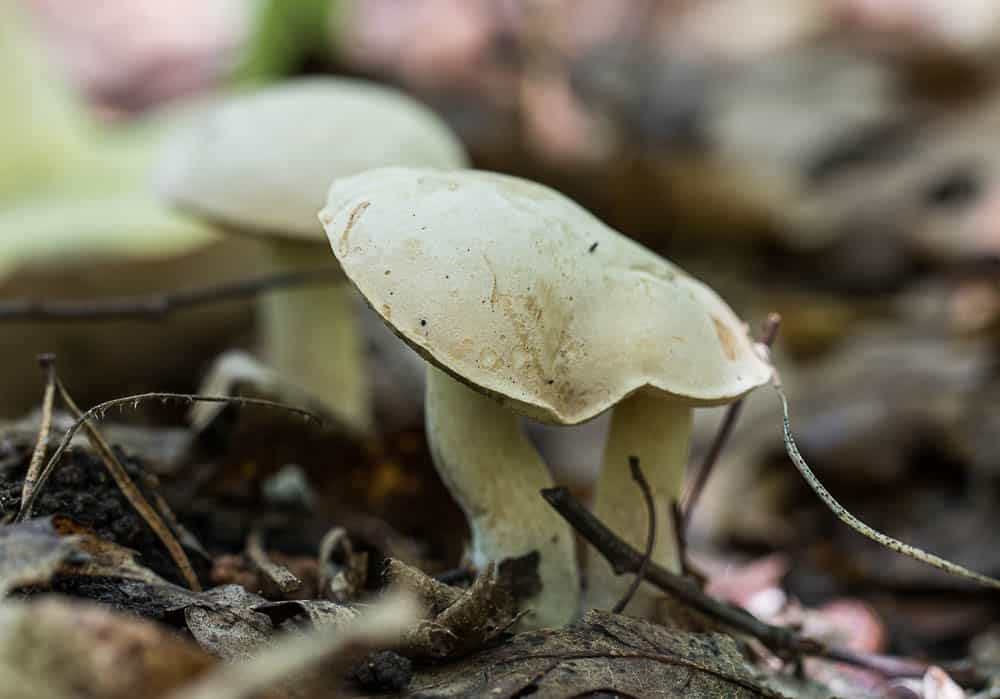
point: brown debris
(276, 580)
(456, 622)
(342, 572)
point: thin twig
(48, 364)
(186, 538)
(277, 578)
(98, 412)
(688, 569)
(132, 492)
(647, 555)
(697, 484)
(156, 306)
(856, 524)
(625, 559)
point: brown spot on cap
(726, 338)
(351, 220)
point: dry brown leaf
(307, 613)
(297, 654)
(604, 653)
(456, 621)
(231, 634)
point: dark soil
(81, 488)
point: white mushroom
(538, 308)
(260, 163)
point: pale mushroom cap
(523, 294)
(262, 161)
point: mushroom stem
(496, 476)
(655, 429)
(310, 336)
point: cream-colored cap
(521, 293)
(262, 161)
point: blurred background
(837, 161)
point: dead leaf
(605, 653)
(298, 653)
(307, 613)
(229, 633)
(436, 596)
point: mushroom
(260, 163)
(524, 303)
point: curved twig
(156, 306)
(697, 484)
(647, 555)
(98, 412)
(856, 524)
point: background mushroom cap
(262, 161)
(523, 294)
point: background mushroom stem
(656, 430)
(311, 337)
(495, 475)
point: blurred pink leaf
(134, 53)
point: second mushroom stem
(495, 475)
(310, 336)
(656, 431)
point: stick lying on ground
(156, 306)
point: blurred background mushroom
(832, 160)
(257, 164)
